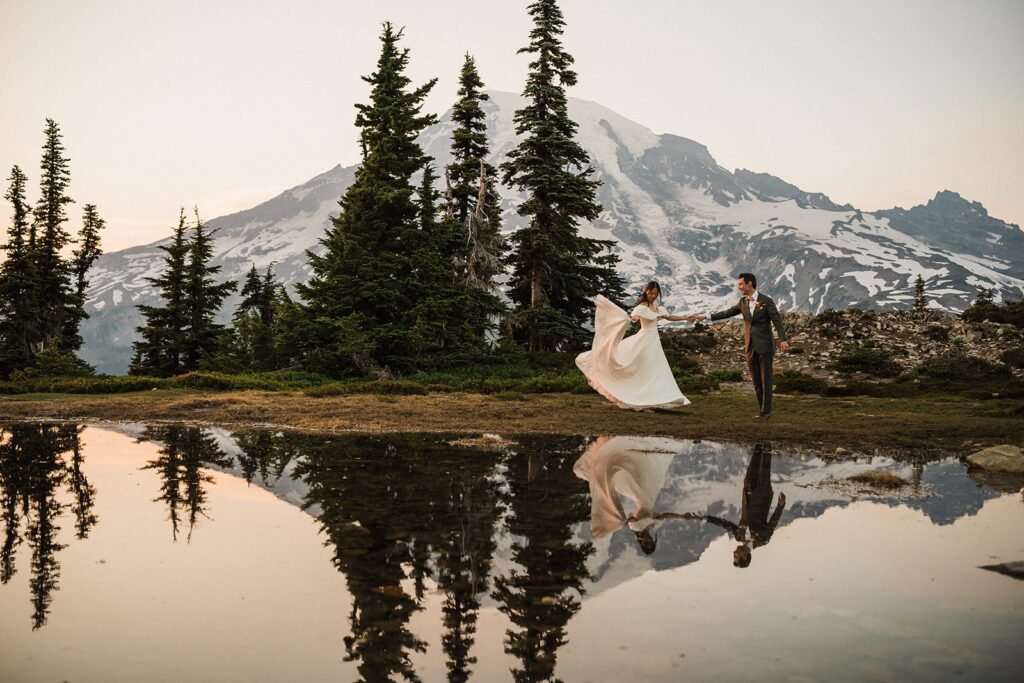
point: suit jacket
(765, 315)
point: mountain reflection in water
(443, 548)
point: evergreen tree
(255, 322)
(920, 305)
(52, 277)
(366, 282)
(158, 351)
(555, 271)
(88, 249)
(983, 308)
(442, 323)
(85, 254)
(17, 320)
(203, 298)
(473, 201)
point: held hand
(784, 346)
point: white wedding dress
(630, 467)
(631, 372)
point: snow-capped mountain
(677, 216)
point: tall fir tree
(473, 200)
(86, 251)
(88, 247)
(178, 335)
(366, 282)
(443, 323)
(18, 325)
(203, 298)
(158, 351)
(555, 271)
(54, 295)
(920, 305)
(254, 325)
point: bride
(632, 372)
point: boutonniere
(757, 305)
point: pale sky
(227, 103)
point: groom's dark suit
(759, 345)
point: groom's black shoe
(765, 416)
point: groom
(759, 314)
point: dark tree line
(410, 274)
(43, 275)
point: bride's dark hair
(651, 286)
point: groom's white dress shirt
(752, 302)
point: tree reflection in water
(405, 508)
(400, 509)
(184, 453)
(546, 503)
(37, 461)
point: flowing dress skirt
(630, 372)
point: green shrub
(708, 382)
(690, 341)
(830, 322)
(868, 359)
(225, 382)
(12, 388)
(726, 375)
(872, 389)
(984, 308)
(793, 382)
(92, 384)
(1014, 357)
(380, 386)
(683, 365)
(959, 365)
(53, 363)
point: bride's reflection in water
(36, 462)
(757, 521)
(634, 468)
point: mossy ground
(923, 421)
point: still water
(134, 553)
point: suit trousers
(760, 365)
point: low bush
(1014, 357)
(868, 359)
(690, 341)
(937, 333)
(958, 365)
(793, 382)
(872, 389)
(384, 386)
(90, 384)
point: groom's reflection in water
(757, 521)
